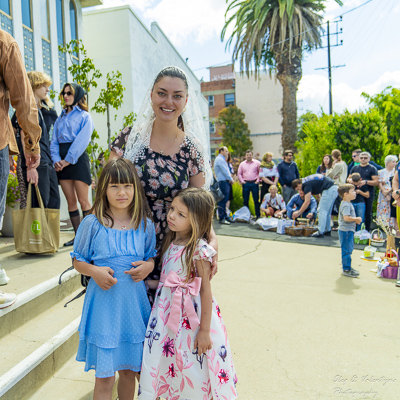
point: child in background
(273, 204)
(116, 308)
(186, 352)
(347, 227)
(361, 195)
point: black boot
(75, 218)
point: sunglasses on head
(67, 93)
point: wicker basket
(379, 241)
(294, 230)
(309, 230)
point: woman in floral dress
(168, 147)
(385, 191)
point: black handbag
(216, 191)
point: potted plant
(12, 203)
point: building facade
(260, 100)
(39, 27)
(137, 52)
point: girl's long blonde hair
(200, 205)
(121, 171)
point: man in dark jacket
(288, 172)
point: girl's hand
(203, 342)
(103, 276)
(142, 270)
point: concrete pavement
(298, 328)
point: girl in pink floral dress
(186, 350)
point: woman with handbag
(44, 176)
(71, 136)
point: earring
(184, 110)
(151, 103)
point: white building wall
(138, 53)
(261, 102)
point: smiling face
(41, 92)
(120, 195)
(169, 98)
(68, 96)
(326, 160)
(249, 156)
(178, 217)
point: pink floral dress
(171, 367)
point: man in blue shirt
(297, 201)
(224, 178)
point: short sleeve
(204, 252)
(84, 239)
(119, 143)
(346, 209)
(150, 244)
(196, 161)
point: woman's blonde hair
(38, 79)
(200, 205)
(121, 171)
(82, 103)
(266, 155)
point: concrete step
(72, 381)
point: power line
(283, 41)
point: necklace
(159, 147)
(122, 226)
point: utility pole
(329, 68)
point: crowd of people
(279, 191)
(145, 212)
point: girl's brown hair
(200, 205)
(121, 171)
(82, 103)
(229, 160)
(322, 166)
(337, 154)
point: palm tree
(273, 33)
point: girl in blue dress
(115, 238)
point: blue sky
(370, 48)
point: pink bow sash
(183, 290)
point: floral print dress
(383, 206)
(162, 176)
(171, 367)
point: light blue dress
(113, 325)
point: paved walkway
(297, 327)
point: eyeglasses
(354, 155)
(67, 93)
(363, 158)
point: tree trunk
(289, 75)
(108, 126)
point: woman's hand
(32, 176)
(103, 276)
(64, 164)
(57, 166)
(203, 342)
(142, 270)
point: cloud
(185, 21)
(313, 93)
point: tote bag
(36, 230)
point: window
(212, 127)
(26, 13)
(229, 99)
(60, 23)
(72, 18)
(44, 16)
(5, 6)
(210, 101)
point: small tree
(112, 96)
(235, 131)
